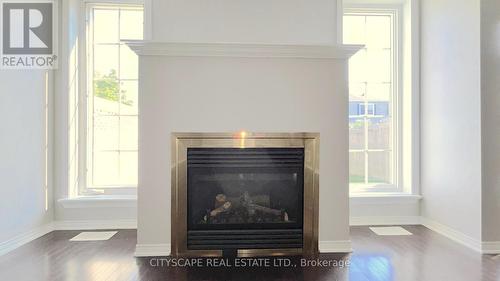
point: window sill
(99, 201)
(363, 198)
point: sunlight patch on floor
(390, 231)
(94, 236)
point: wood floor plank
(423, 256)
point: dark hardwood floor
(423, 256)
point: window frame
(395, 11)
(85, 85)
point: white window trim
(83, 188)
(99, 201)
(397, 170)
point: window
(366, 108)
(112, 96)
(373, 99)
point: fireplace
(245, 198)
(245, 194)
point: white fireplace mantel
(174, 49)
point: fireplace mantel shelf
(174, 49)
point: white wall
(369, 210)
(25, 199)
(208, 94)
(490, 72)
(450, 114)
(243, 21)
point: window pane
(378, 32)
(128, 168)
(106, 26)
(106, 134)
(378, 65)
(104, 103)
(356, 167)
(371, 96)
(354, 30)
(379, 133)
(357, 91)
(113, 103)
(129, 63)
(357, 67)
(356, 133)
(128, 133)
(129, 104)
(131, 24)
(106, 95)
(106, 168)
(378, 92)
(379, 167)
(106, 61)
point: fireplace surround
(250, 194)
(209, 87)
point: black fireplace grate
(245, 239)
(248, 157)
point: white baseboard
(152, 250)
(384, 220)
(95, 224)
(343, 246)
(453, 234)
(25, 237)
(491, 248)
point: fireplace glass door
(245, 197)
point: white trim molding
(341, 246)
(179, 49)
(383, 198)
(24, 238)
(99, 201)
(95, 224)
(490, 247)
(152, 250)
(453, 234)
(384, 220)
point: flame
(243, 136)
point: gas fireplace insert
(245, 198)
(248, 196)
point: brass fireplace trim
(182, 141)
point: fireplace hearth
(251, 196)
